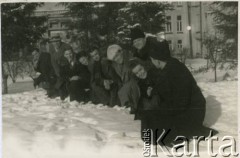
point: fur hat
(158, 55)
(136, 33)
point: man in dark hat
(56, 50)
(144, 44)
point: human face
(68, 55)
(160, 36)
(35, 52)
(139, 43)
(56, 44)
(95, 55)
(76, 46)
(43, 47)
(118, 57)
(140, 71)
(83, 60)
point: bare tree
(214, 48)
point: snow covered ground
(35, 126)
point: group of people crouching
(159, 89)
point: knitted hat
(112, 50)
(136, 33)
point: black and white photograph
(125, 79)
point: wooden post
(190, 31)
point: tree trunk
(215, 72)
(190, 31)
(207, 63)
(14, 80)
(4, 84)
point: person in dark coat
(75, 78)
(43, 65)
(56, 50)
(146, 81)
(179, 104)
(98, 67)
(148, 110)
(128, 90)
(161, 38)
(143, 44)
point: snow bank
(35, 126)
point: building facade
(187, 25)
(57, 20)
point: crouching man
(128, 90)
(98, 67)
(170, 99)
(74, 78)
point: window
(53, 25)
(179, 44)
(64, 24)
(179, 4)
(179, 23)
(170, 44)
(168, 25)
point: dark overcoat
(178, 90)
(76, 89)
(56, 55)
(181, 104)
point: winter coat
(181, 105)
(121, 72)
(44, 63)
(97, 70)
(126, 86)
(178, 90)
(68, 70)
(56, 56)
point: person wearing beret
(128, 90)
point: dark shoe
(35, 84)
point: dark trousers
(99, 94)
(47, 74)
(129, 94)
(188, 124)
(107, 97)
(76, 90)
